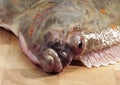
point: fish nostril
(51, 36)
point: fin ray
(102, 58)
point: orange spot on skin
(103, 11)
(36, 16)
(31, 31)
(113, 26)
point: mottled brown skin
(76, 13)
(65, 26)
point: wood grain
(17, 69)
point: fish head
(62, 47)
(56, 37)
(54, 49)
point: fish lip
(57, 66)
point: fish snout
(51, 61)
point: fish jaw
(23, 45)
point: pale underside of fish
(52, 33)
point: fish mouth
(55, 61)
(51, 59)
(57, 55)
(63, 51)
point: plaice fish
(52, 33)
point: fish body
(52, 33)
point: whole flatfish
(52, 33)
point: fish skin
(10, 10)
(61, 16)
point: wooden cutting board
(16, 69)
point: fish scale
(40, 24)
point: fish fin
(102, 58)
(10, 28)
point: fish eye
(76, 43)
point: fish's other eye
(76, 43)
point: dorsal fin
(102, 58)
